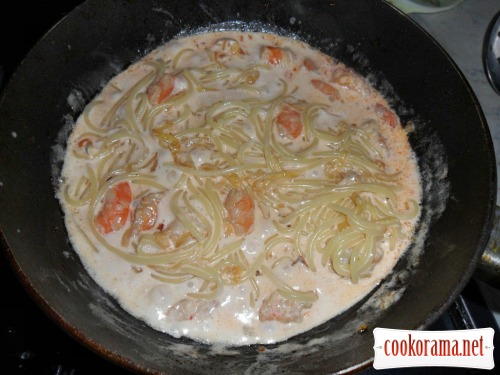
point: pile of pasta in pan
(239, 188)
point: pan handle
(488, 269)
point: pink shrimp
(146, 213)
(173, 236)
(387, 115)
(240, 210)
(274, 55)
(350, 81)
(326, 89)
(115, 210)
(310, 65)
(289, 119)
(225, 48)
(161, 89)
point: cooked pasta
(242, 170)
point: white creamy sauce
(153, 148)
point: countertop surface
(461, 32)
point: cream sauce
(343, 97)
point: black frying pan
(99, 38)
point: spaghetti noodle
(249, 170)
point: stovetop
(33, 344)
